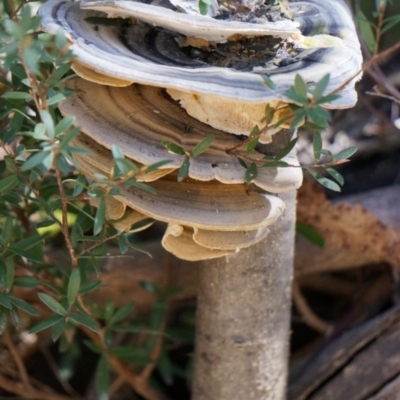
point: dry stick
(17, 388)
(385, 96)
(55, 369)
(18, 362)
(367, 65)
(136, 382)
(64, 226)
(147, 371)
(308, 315)
(382, 9)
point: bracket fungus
(182, 71)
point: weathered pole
(243, 316)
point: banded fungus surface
(154, 71)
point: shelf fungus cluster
(157, 70)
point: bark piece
(355, 366)
(352, 366)
(349, 227)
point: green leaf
(320, 87)
(89, 286)
(86, 321)
(17, 96)
(26, 281)
(8, 6)
(100, 216)
(118, 155)
(157, 165)
(345, 154)
(60, 39)
(275, 164)
(253, 143)
(5, 301)
(299, 86)
(242, 162)
(8, 229)
(8, 183)
(296, 98)
(390, 23)
(39, 132)
(73, 285)
(139, 185)
(268, 82)
(63, 125)
(204, 6)
(102, 381)
(48, 123)
(366, 31)
(299, 116)
(4, 312)
(10, 164)
(184, 169)
(336, 175)
(55, 99)
(62, 164)
(24, 306)
(28, 242)
(124, 165)
(58, 329)
(123, 243)
(173, 148)
(203, 145)
(121, 313)
(149, 286)
(319, 116)
(329, 184)
(53, 304)
(36, 159)
(317, 146)
(59, 73)
(327, 99)
(26, 254)
(311, 234)
(80, 184)
(140, 224)
(10, 271)
(286, 150)
(268, 114)
(251, 173)
(47, 323)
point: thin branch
(18, 362)
(64, 226)
(367, 65)
(137, 383)
(382, 10)
(12, 386)
(377, 93)
(155, 354)
(308, 315)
